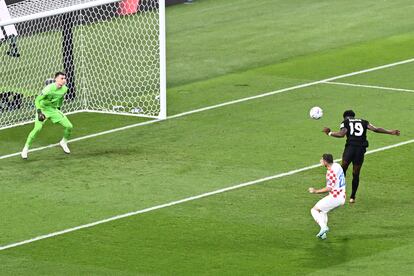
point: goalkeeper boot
(63, 143)
(24, 152)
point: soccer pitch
(220, 52)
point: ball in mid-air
(316, 112)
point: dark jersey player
(356, 144)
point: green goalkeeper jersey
(51, 97)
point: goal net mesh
(110, 53)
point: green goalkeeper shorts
(55, 115)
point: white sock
(324, 220)
(321, 218)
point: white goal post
(112, 51)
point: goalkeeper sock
(32, 135)
(68, 128)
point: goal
(112, 51)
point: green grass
(262, 229)
(237, 35)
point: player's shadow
(343, 249)
(333, 253)
(58, 155)
(115, 151)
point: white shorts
(329, 202)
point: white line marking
(83, 138)
(172, 203)
(223, 104)
(369, 86)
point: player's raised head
(60, 73)
(60, 78)
(349, 114)
(328, 158)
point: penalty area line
(292, 88)
(172, 203)
(370, 86)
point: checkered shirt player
(335, 187)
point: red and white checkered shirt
(335, 179)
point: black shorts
(354, 154)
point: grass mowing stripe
(328, 80)
(369, 86)
(234, 187)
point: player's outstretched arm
(338, 134)
(383, 130)
(320, 191)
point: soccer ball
(316, 112)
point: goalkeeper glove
(40, 116)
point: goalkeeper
(48, 105)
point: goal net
(113, 54)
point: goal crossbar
(57, 11)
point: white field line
(89, 111)
(172, 203)
(222, 104)
(370, 86)
(83, 138)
